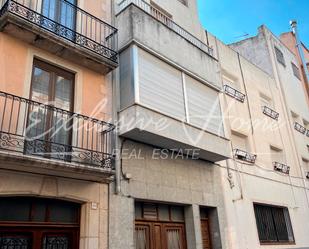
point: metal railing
(299, 128)
(244, 156)
(67, 21)
(281, 168)
(234, 93)
(270, 112)
(32, 128)
(166, 20)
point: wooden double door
(36, 237)
(159, 235)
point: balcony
(299, 128)
(52, 140)
(270, 113)
(146, 26)
(281, 168)
(244, 156)
(64, 29)
(234, 93)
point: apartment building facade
(56, 133)
(169, 113)
(281, 153)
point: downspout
(300, 50)
(115, 108)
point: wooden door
(205, 234)
(38, 238)
(159, 235)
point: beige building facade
(56, 131)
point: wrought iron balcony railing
(234, 93)
(166, 20)
(270, 112)
(67, 21)
(244, 156)
(32, 128)
(281, 168)
(299, 128)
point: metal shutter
(204, 106)
(160, 86)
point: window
(53, 86)
(273, 224)
(159, 226)
(280, 57)
(185, 2)
(62, 12)
(295, 70)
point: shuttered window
(203, 106)
(279, 56)
(295, 71)
(160, 86)
(273, 224)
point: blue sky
(231, 19)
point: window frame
(53, 70)
(277, 53)
(278, 242)
(296, 70)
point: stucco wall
(92, 90)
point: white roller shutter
(160, 86)
(203, 106)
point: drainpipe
(299, 46)
(115, 108)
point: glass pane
(177, 214)
(173, 239)
(63, 96)
(163, 213)
(15, 242)
(40, 93)
(68, 14)
(56, 242)
(138, 210)
(39, 211)
(63, 212)
(49, 9)
(141, 238)
(14, 209)
(62, 121)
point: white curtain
(140, 239)
(173, 239)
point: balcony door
(49, 127)
(62, 12)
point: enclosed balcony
(148, 26)
(41, 138)
(64, 29)
(167, 108)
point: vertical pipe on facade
(300, 50)
(115, 108)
